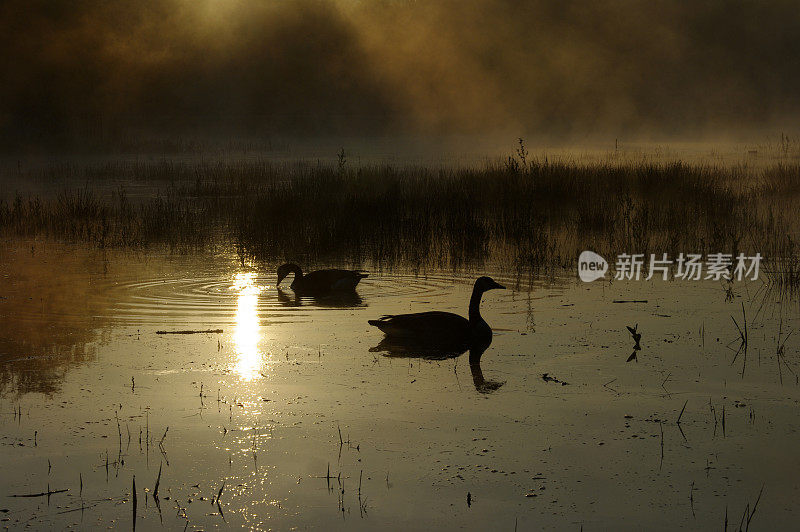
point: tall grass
(531, 217)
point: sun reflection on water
(248, 329)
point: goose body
(320, 281)
(438, 330)
(443, 328)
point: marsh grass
(532, 217)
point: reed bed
(530, 216)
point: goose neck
(475, 306)
(295, 269)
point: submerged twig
(42, 494)
(210, 331)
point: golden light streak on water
(247, 335)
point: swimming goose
(444, 327)
(320, 281)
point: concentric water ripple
(193, 290)
(214, 299)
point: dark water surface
(307, 425)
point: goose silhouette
(444, 328)
(442, 335)
(321, 281)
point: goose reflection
(481, 384)
(342, 299)
(431, 349)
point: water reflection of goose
(333, 299)
(444, 327)
(481, 384)
(404, 347)
(320, 281)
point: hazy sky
(558, 69)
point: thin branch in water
(42, 494)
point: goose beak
(498, 285)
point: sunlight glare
(248, 329)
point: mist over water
(161, 161)
(96, 73)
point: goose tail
(382, 322)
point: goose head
(286, 269)
(484, 284)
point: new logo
(591, 266)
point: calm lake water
(300, 419)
